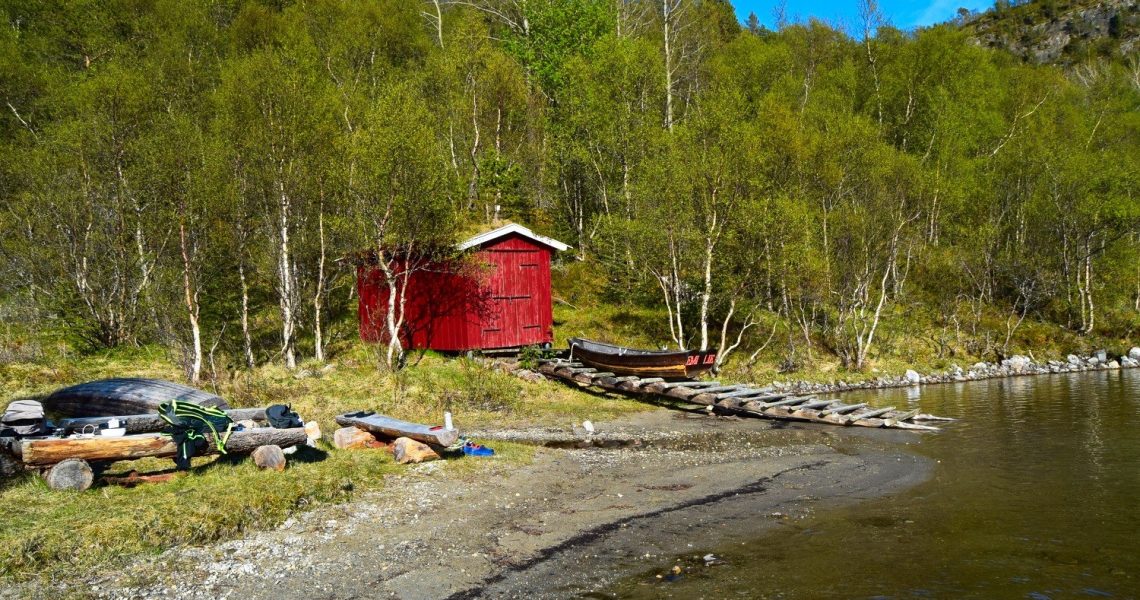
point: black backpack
(281, 416)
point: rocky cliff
(1061, 31)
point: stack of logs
(72, 462)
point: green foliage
(230, 153)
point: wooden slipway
(742, 399)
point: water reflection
(1034, 496)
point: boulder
(313, 431)
(1017, 363)
(979, 367)
(1073, 359)
(354, 438)
(1112, 364)
(1101, 356)
(1134, 353)
(269, 457)
(912, 377)
(408, 450)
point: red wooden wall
(502, 300)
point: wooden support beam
(721, 389)
(785, 402)
(843, 409)
(649, 380)
(696, 385)
(602, 375)
(872, 414)
(814, 405)
(899, 418)
(578, 370)
(738, 394)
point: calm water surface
(1036, 494)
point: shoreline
(1014, 366)
(570, 522)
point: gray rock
(1100, 356)
(1017, 363)
(912, 377)
(1134, 353)
(1112, 364)
(1094, 361)
(1073, 359)
(980, 366)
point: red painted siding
(501, 300)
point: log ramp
(741, 399)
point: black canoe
(667, 364)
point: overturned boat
(123, 396)
(619, 360)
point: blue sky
(900, 13)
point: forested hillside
(192, 174)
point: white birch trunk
(246, 338)
(318, 338)
(194, 369)
(285, 283)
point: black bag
(281, 416)
(24, 418)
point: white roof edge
(483, 238)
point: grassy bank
(49, 534)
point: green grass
(50, 534)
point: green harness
(189, 424)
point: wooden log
(842, 410)
(682, 393)
(690, 384)
(651, 380)
(899, 418)
(50, 451)
(872, 414)
(814, 405)
(151, 423)
(720, 389)
(583, 370)
(269, 457)
(740, 394)
(602, 375)
(395, 428)
(71, 474)
(123, 396)
(784, 402)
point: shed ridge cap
(506, 230)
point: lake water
(1035, 494)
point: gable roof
(508, 229)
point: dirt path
(571, 522)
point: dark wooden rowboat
(667, 364)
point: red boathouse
(500, 299)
